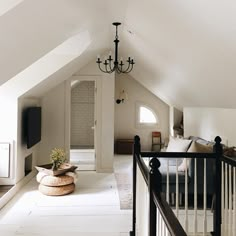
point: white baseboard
(12, 192)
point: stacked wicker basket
(55, 183)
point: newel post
(136, 151)
(217, 148)
(154, 184)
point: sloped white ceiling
(184, 50)
(33, 28)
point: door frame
(97, 115)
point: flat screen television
(32, 126)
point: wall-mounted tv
(32, 122)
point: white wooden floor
(92, 210)
(83, 158)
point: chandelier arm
(108, 71)
(102, 69)
(114, 69)
(106, 68)
(118, 69)
(132, 65)
(127, 71)
(111, 69)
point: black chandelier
(117, 66)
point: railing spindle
(223, 197)
(167, 183)
(186, 197)
(234, 201)
(230, 202)
(226, 199)
(154, 183)
(195, 195)
(162, 226)
(136, 151)
(158, 223)
(217, 148)
(204, 199)
(177, 191)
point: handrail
(169, 217)
(156, 201)
(143, 167)
(167, 214)
(229, 160)
(150, 177)
(178, 154)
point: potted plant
(57, 157)
(58, 165)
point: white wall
(8, 118)
(210, 122)
(8, 131)
(125, 113)
(106, 117)
(56, 117)
(53, 122)
(11, 125)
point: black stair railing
(152, 176)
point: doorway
(82, 151)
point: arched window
(146, 116)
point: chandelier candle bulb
(98, 59)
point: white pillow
(195, 147)
(178, 145)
